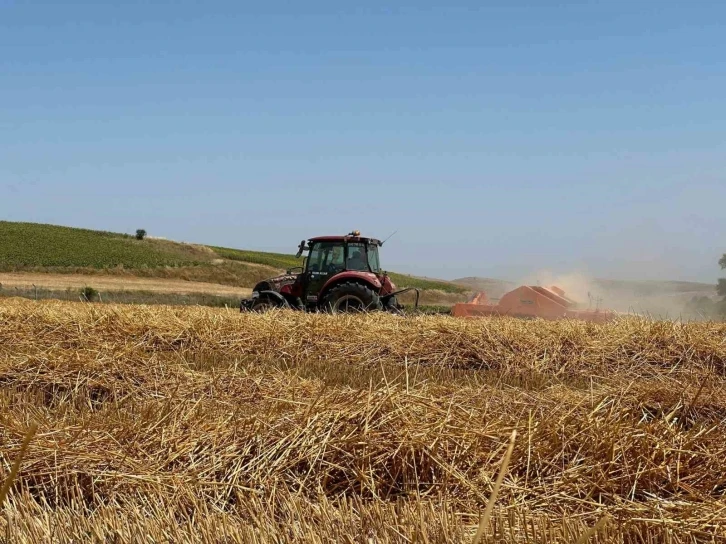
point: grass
(204, 425)
(273, 260)
(33, 245)
(403, 280)
(226, 273)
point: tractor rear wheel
(352, 297)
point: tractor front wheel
(351, 297)
(264, 304)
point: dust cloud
(577, 286)
(658, 299)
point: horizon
(499, 139)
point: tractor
(339, 274)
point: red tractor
(339, 274)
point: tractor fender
(367, 278)
(262, 286)
(274, 295)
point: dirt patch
(114, 283)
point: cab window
(337, 258)
(357, 259)
(326, 257)
(373, 260)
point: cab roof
(352, 237)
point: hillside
(494, 288)
(32, 247)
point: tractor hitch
(386, 298)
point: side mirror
(300, 249)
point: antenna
(391, 236)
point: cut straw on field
(204, 425)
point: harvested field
(160, 424)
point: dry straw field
(161, 424)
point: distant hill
(492, 287)
(656, 287)
(34, 247)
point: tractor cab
(339, 273)
(338, 255)
(330, 256)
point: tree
(141, 234)
(721, 287)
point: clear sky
(498, 138)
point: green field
(27, 245)
(275, 260)
(403, 280)
(38, 247)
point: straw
(313, 428)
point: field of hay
(162, 424)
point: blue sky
(498, 138)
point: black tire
(264, 304)
(352, 297)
